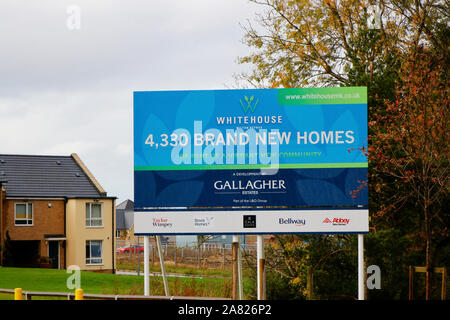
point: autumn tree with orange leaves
(411, 147)
(402, 58)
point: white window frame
(27, 206)
(89, 220)
(90, 258)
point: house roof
(126, 205)
(125, 215)
(120, 219)
(129, 219)
(46, 176)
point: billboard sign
(252, 149)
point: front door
(53, 253)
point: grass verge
(51, 280)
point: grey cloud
(65, 91)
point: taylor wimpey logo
(297, 222)
(337, 221)
(162, 223)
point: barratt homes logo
(249, 104)
(337, 221)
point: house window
(23, 214)
(117, 233)
(94, 215)
(93, 252)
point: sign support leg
(234, 269)
(163, 267)
(146, 268)
(238, 288)
(360, 267)
(139, 258)
(241, 281)
(261, 287)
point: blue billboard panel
(237, 149)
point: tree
(329, 258)
(412, 148)
(318, 41)
(337, 43)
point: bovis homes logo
(337, 221)
(204, 222)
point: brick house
(53, 212)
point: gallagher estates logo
(337, 221)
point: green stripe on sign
(251, 166)
(320, 96)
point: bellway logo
(297, 222)
(337, 221)
(249, 105)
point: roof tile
(45, 176)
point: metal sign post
(237, 280)
(360, 267)
(234, 269)
(146, 268)
(163, 267)
(240, 277)
(139, 258)
(261, 287)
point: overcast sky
(66, 90)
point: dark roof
(125, 215)
(45, 176)
(127, 205)
(128, 219)
(120, 219)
